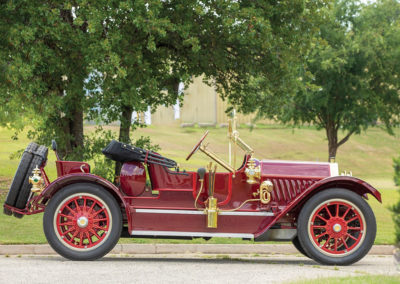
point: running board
(190, 234)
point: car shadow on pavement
(222, 260)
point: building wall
(201, 104)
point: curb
(183, 248)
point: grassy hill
(369, 156)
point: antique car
(322, 213)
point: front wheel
(336, 227)
(82, 222)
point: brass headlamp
(252, 172)
(36, 181)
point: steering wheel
(197, 146)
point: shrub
(396, 208)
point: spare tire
(39, 157)
(19, 176)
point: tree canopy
(66, 62)
(350, 77)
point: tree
(349, 79)
(136, 51)
(44, 60)
(169, 42)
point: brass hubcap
(82, 222)
(337, 228)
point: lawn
(369, 156)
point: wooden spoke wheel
(336, 226)
(82, 222)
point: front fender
(351, 183)
(63, 181)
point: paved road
(182, 269)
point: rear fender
(351, 183)
(63, 181)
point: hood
(297, 168)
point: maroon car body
(171, 206)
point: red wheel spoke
(71, 210)
(94, 233)
(66, 216)
(352, 219)
(94, 214)
(78, 208)
(91, 207)
(322, 218)
(335, 240)
(345, 213)
(80, 238)
(98, 227)
(327, 245)
(354, 228)
(74, 235)
(89, 238)
(67, 224)
(322, 235)
(345, 244)
(337, 210)
(329, 212)
(354, 238)
(99, 220)
(67, 231)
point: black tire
(7, 211)
(298, 246)
(337, 240)
(61, 237)
(39, 158)
(19, 176)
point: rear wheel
(82, 222)
(336, 226)
(298, 246)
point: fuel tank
(299, 169)
(133, 178)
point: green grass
(370, 279)
(369, 156)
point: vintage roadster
(323, 213)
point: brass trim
(252, 172)
(266, 188)
(36, 181)
(213, 156)
(198, 194)
(241, 143)
(212, 212)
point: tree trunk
(76, 131)
(124, 129)
(71, 132)
(333, 143)
(332, 135)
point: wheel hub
(82, 222)
(337, 228)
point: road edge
(183, 249)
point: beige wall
(163, 115)
(201, 105)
